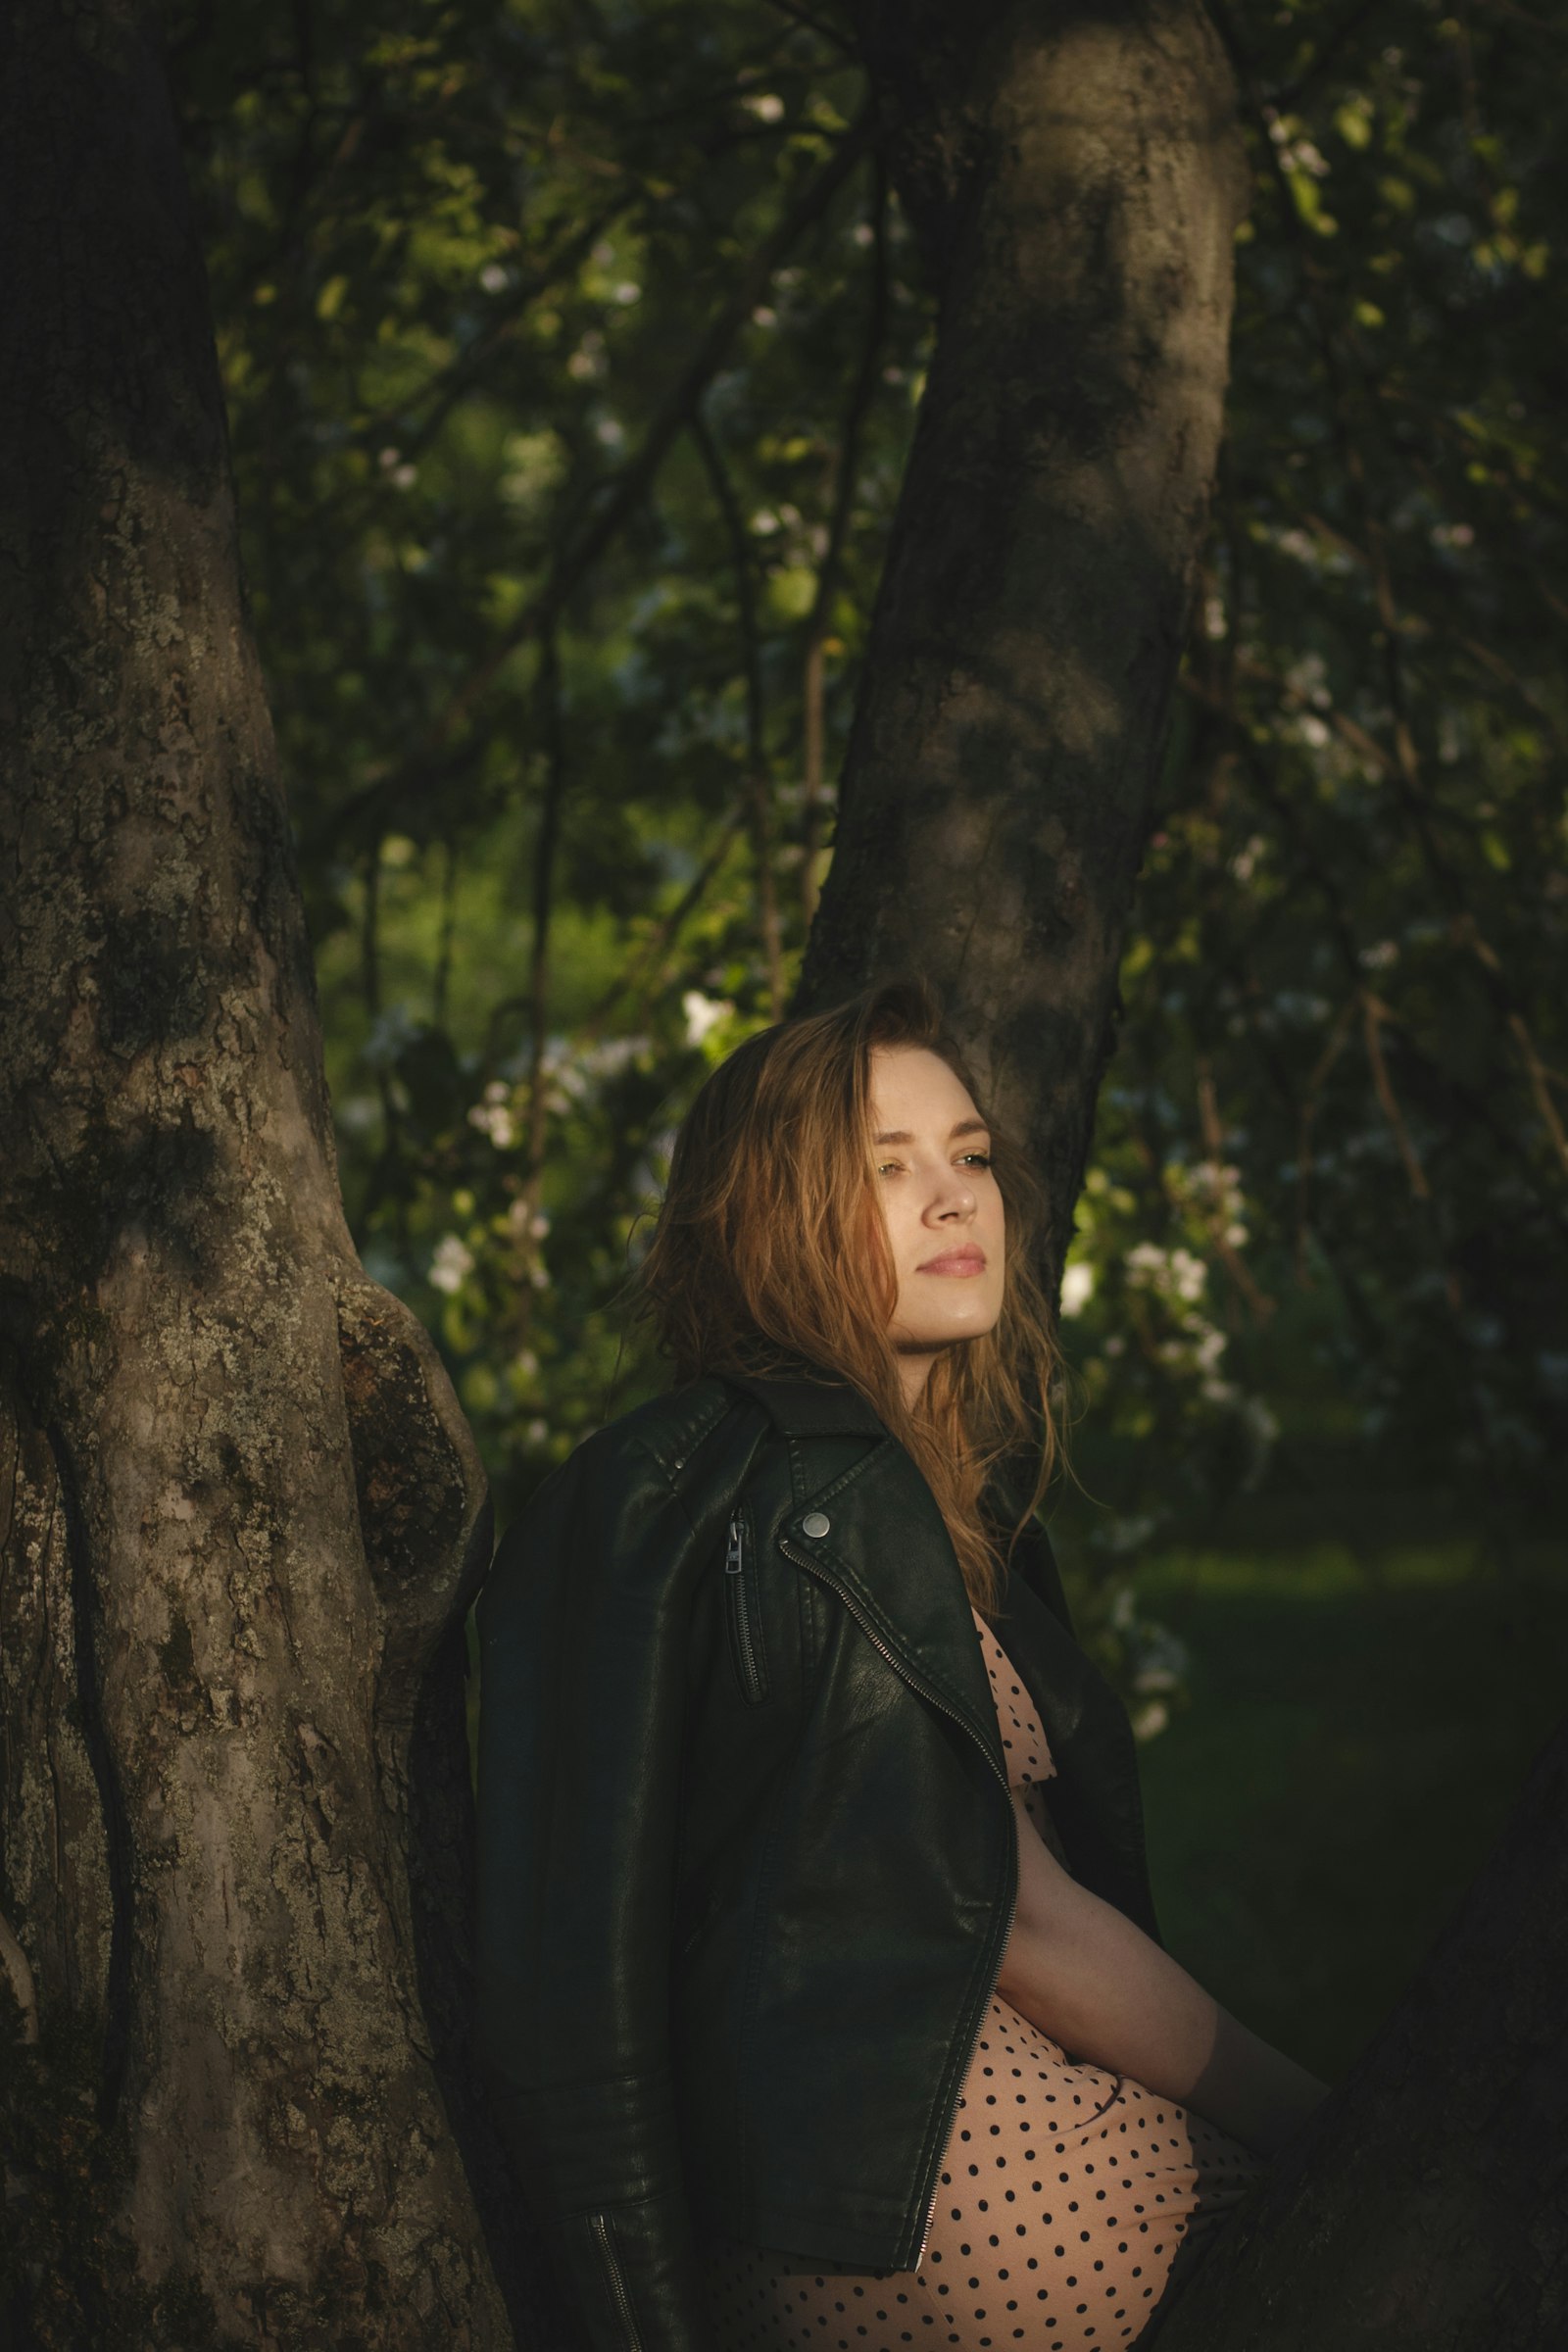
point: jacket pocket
(743, 1612)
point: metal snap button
(815, 1523)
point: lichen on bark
(243, 1516)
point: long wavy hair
(771, 1247)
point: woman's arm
(1098, 1984)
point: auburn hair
(770, 1245)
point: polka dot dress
(1064, 2197)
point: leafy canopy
(572, 356)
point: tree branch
(827, 578)
(626, 490)
(756, 783)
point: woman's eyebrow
(902, 1135)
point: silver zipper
(600, 2224)
(815, 1568)
(735, 1584)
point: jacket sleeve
(582, 1636)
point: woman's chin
(934, 1343)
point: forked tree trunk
(1074, 177)
(240, 1512)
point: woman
(819, 1974)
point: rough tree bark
(1074, 177)
(240, 1513)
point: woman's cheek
(883, 1257)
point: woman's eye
(978, 1159)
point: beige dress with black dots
(1064, 2197)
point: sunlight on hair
(769, 1256)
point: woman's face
(943, 1209)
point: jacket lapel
(886, 1549)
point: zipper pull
(732, 1559)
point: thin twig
(668, 931)
(1317, 1079)
(827, 578)
(757, 781)
(626, 490)
(1373, 1011)
(544, 865)
(1240, 1274)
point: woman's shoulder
(666, 1436)
(660, 1457)
(670, 1429)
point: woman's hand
(1085, 1974)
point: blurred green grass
(1360, 1724)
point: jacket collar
(809, 1401)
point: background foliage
(572, 355)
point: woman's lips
(955, 1261)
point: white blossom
(493, 1117)
(1077, 1288)
(1173, 1273)
(451, 1263)
(702, 1014)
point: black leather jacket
(746, 1855)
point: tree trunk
(1424, 2208)
(1074, 177)
(240, 1513)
